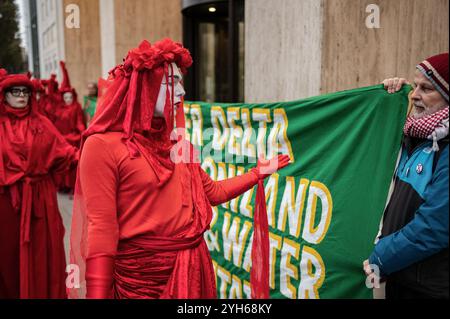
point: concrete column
(282, 49)
(107, 35)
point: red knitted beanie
(435, 69)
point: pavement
(65, 203)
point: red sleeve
(225, 190)
(62, 155)
(80, 119)
(99, 179)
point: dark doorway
(214, 33)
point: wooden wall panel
(282, 49)
(82, 46)
(355, 56)
(153, 20)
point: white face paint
(166, 84)
(68, 98)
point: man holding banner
(412, 253)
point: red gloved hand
(265, 168)
(99, 277)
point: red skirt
(167, 268)
(32, 266)
(9, 248)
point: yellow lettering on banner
(221, 129)
(231, 174)
(238, 249)
(263, 117)
(247, 290)
(225, 279)
(289, 210)
(209, 166)
(232, 244)
(248, 149)
(271, 190)
(278, 141)
(234, 207)
(236, 288)
(287, 270)
(197, 125)
(248, 255)
(246, 206)
(211, 236)
(235, 141)
(215, 268)
(315, 235)
(215, 215)
(187, 120)
(310, 282)
(221, 175)
(275, 242)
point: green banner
(324, 210)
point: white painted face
(18, 96)
(166, 84)
(68, 98)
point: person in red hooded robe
(32, 259)
(52, 98)
(40, 95)
(69, 120)
(139, 212)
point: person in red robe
(41, 97)
(52, 98)
(139, 212)
(69, 120)
(32, 258)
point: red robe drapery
(70, 123)
(31, 149)
(51, 98)
(69, 120)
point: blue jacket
(413, 248)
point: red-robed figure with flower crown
(32, 259)
(139, 215)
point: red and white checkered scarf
(433, 127)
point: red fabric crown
(435, 69)
(9, 80)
